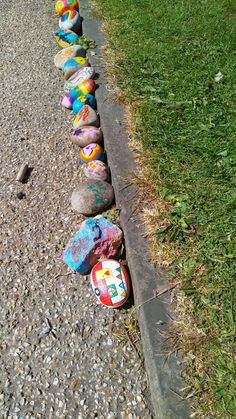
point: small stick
(22, 172)
(159, 294)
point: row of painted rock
(97, 243)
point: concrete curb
(164, 372)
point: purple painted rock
(86, 116)
(79, 76)
(96, 238)
(92, 197)
(87, 135)
(96, 170)
(66, 53)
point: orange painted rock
(66, 53)
(63, 6)
(86, 116)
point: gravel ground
(61, 354)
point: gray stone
(92, 197)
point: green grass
(167, 54)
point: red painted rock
(110, 283)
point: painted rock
(74, 64)
(63, 6)
(83, 88)
(91, 152)
(65, 38)
(84, 100)
(71, 20)
(97, 237)
(86, 116)
(92, 197)
(110, 283)
(79, 76)
(87, 135)
(96, 170)
(66, 53)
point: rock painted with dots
(96, 169)
(67, 53)
(63, 6)
(92, 197)
(91, 152)
(87, 135)
(71, 20)
(79, 76)
(110, 283)
(86, 116)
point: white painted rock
(87, 135)
(71, 20)
(86, 116)
(92, 197)
(66, 53)
(83, 74)
(96, 169)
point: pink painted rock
(96, 238)
(79, 76)
(92, 197)
(66, 53)
(86, 116)
(87, 135)
(96, 170)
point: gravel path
(61, 354)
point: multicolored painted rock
(83, 88)
(86, 116)
(63, 6)
(74, 64)
(66, 38)
(84, 100)
(97, 237)
(110, 283)
(91, 152)
(96, 170)
(71, 20)
(92, 197)
(87, 135)
(69, 52)
(79, 76)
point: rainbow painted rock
(96, 170)
(71, 20)
(84, 100)
(91, 152)
(87, 135)
(79, 76)
(66, 38)
(83, 88)
(110, 283)
(97, 237)
(66, 53)
(92, 197)
(86, 116)
(63, 6)
(74, 64)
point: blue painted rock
(63, 6)
(84, 100)
(87, 135)
(71, 20)
(86, 116)
(66, 38)
(91, 152)
(74, 64)
(67, 53)
(96, 169)
(110, 282)
(83, 88)
(92, 197)
(96, 238)
(79, 76)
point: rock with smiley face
(92, 197)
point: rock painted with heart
(92, 197)
(74, 64)
(79, 76)
(84, 100)
(71, 20)
(66, 38)
(63, 6)
(83, 88)
(91, 152)
(110, 282)
(87, 135)
(67, 53)
(96, 169)
(96, 238)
